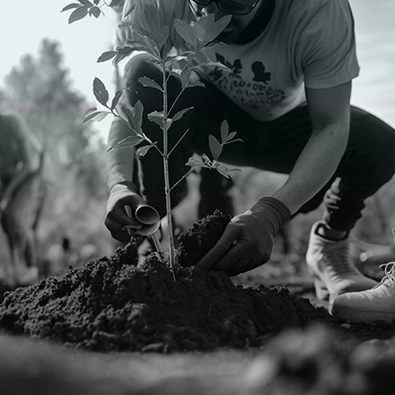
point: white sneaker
(374, 305)
(329, 263)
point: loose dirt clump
(116, 304)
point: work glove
(247, 241)
(118, 221)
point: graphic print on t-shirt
(255, 94)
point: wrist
(121, 185)
(274, 210)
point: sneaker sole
(362, 316)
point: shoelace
(389, 274)
(339, 258)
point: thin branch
(149, 141)
(182, 178)
(178, 142)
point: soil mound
(116, 304)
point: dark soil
(115, 304)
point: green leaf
(95, 11)
(129, 115)
(163, 36)
(96, 2)
(185, 30)
(106, 56)
(130, 141)
(196, 162)
(147, 82)
(195, 84)
(86, 3)
(223, 171)
(138, 116)
(70, 6)
(90, 110)
(100, 92)
(143, 150)
(224, 130)
(230, 137)
(130, 10)
(78, 14)
(96, 116)
(157, 117)
(180, 114)
(215, 146)
(116, 98)
(211, 28)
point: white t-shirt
(307, 43)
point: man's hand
(247, 241)
(117, 218)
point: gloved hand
(247, 241)
(121, 195)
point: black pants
(368, 163)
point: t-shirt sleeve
(328, 48)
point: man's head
(243, 13)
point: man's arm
(330, 117)
(248, 239)
(120, 162)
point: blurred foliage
(40, 91)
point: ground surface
(201, 334)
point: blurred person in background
(21, 158)
(287, 95)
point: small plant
(156, 42)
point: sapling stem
(166, 171)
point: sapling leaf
(86, 3)
(100, 91)
(163, 36)
(106, 56)
(70, 6)
(130, 10)
(129, 115)
(153, 61)
(185, 76)
(127, 142)
(95, 11)
(215, 146)
(230, 136)
(234, 141)
(180, 114)
(78, 14)
(151, 13)
(185, 30)
(142, 151)
(157, 117)
(211, 27)
(224, 130)
(147, 82)
(96, 116)
(195, 84)
(90, 110)
(223, 171)
(196, 162)
(115, 99)
(138, 116)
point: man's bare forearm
(120, 161)
(314, 167)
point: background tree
(39, 90)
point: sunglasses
(229, 6)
